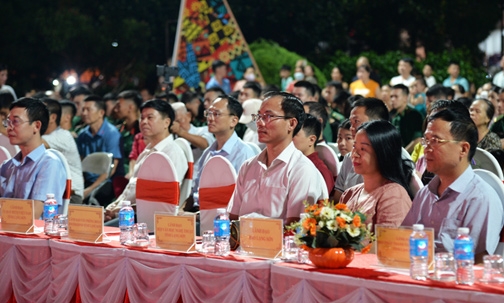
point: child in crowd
(345, 139)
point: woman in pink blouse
(385, 195)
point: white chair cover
(97, 163)
(4, 154)
(498, 186)
(187, 183)
(485, 160)
(68, 185)
(217, 172)
(327, 154)
(156, 167)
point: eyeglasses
(435, 142)
(216, 115)
(13, 123)
(267, 118)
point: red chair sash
(190, 171)
(156, 191)
(215, 197)
(68, 189)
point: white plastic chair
(97, 163)
(157, 188)
(490, 178)
(4, 154)
(255, 148)
(485, 160)
(68, 185)
(334, 147)
(187, 183)
(217, 182)
(329, 157)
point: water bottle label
(126, 218)
(463, 250)
(50, 210)
(419, 247)
(221, 228)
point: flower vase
(331, 257)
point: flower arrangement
(329, 225)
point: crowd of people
(405, 146)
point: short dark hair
(99, 103)
(409, 61)
(36, 111)
(216, 64)
(466, 101)
(441, 104)
(367, 68)
(216, 89)
(462, 127)
(317, 110)
(286, 67)
(375, 108)
(234, 106)
(310, 90)
(336, 84)
(291, 106)
(460, 88)
(312, 126)
(454, 62)
(68, 104)
(162, 107)
(188, 97)
(6, 99)
(3, 66)
(110, 96)
(54, 107)
(402, 87)
(132, 95)
(270, 88)
(437, 91)
(79, 90)
(172, 96)
(345, 124)
(385, 140)
(253, 85)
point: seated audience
(456, 196)
(318, 110)
(482, 111)
(385, 196)
(155, 121)
(6, 100)
(364, 85)
(270, 184)
(250, 90)
(345, 139)
(250, 107)
(34, 172)
(306, 141)
(62, 140)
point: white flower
(346, 218)
(331, 225)
(321, 224)
(353, 231)
(327, 213)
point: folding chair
(217, 183)
(157, 188)
(97, 163)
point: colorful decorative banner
(208, 31)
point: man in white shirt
(156, 119)
(404, 69)
(62, 140)
(277, 181)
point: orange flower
(317, 212)
(357, 221)
(311, 208)
(311, 225)
(340, 206)
(341, 222)
(366, 249)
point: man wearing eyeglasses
(34, 171)
(456, 196)
(276, 182)
(222, 116)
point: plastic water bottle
(463, 252)
(50, 211)
(126, 222)
(222, 232)
(419, 253)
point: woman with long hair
(385, 196)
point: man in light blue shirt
(219, 69)
(34, 171)
(455, 78)
(456, 196)
(223, 116)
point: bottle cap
(50, 196)
(221, 210)
(125, 203)
(418, 227)
(463, 230)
